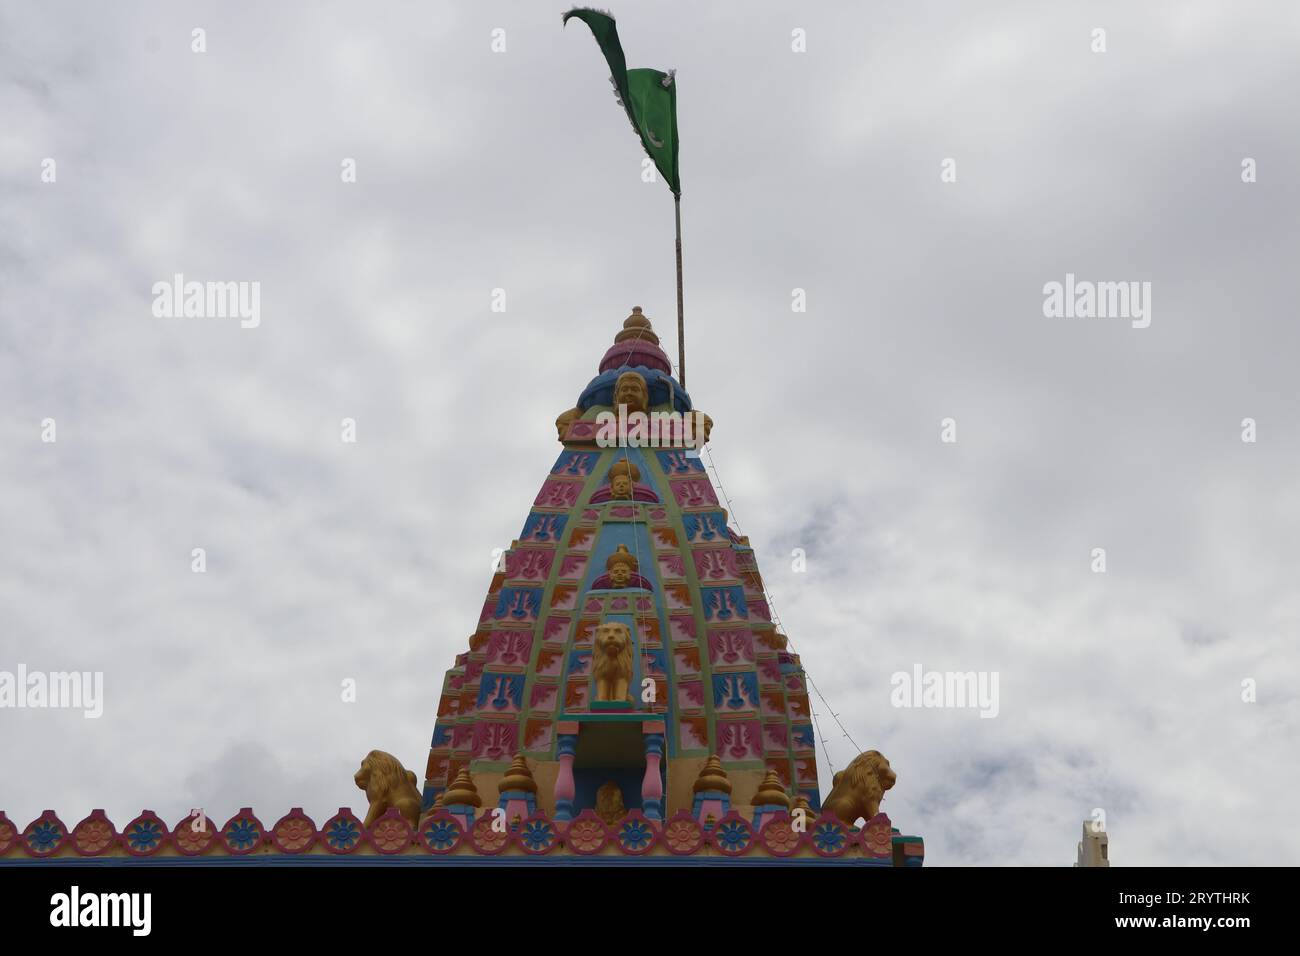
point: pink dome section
(633, 353)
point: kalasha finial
(462, 791)
(637, 326)
(771, 793)
(712, 777)
(636, 346)
(518, 777)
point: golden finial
(621, 555)
(712, 777)
(637, 326)
(771, 793)
(462, 793)
(518, 777)
(801, 803)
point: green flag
(648, 96)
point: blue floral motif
(537, 835)
(828, 838)
(441, 834)
(343, 834)
(635, 835)
(242, 834)
(45, 837)
(732, 837)
(145, 835)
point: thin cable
(776, 617)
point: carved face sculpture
(612, 639)
(563, 421)
(620, 566)
(622, 477)
(620, 574)
(630, 390)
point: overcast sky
(817, 170)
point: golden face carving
(563, 421)
(620, 486)
(630, 390)
(620, 566)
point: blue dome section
(600, 391)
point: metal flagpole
(681, 322)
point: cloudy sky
(817, 170)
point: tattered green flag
(648, 96)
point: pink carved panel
(773, 703)
(682, 628)
(776, 737)
(731, 647)
(690, 695)
(538, 735)
(694, 492)
(715, 564)
(557, 493)
(549, 660)
(671, 565)
(556, 629)
(573, 565)
(647, 627)
(544, 696)
(739, 740)
(495, 740)
(694, 733)
(678, 595)
(529, 564)
(564, 597)
(511, 648)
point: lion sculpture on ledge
(611, 664)
(388, 784)
(856, 791)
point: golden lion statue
(388, 784)
(611, 664)
(856, 791)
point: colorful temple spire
(631, 535)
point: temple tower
(625, 638)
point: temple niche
(624, 484)
(621, 572)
